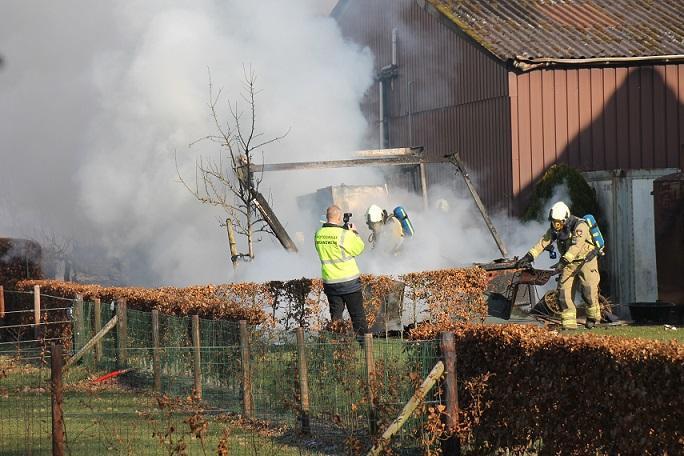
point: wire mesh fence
(216, 392)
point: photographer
(337, 245)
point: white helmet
(374, 214)
(559, 211)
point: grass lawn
(635, 332)
(111, 419)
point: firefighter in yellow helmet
(578, 263)
(387, 234)
(337, 245)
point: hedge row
(569, 395)
(446, 294)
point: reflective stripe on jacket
(336, 248)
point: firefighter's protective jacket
(336, 249)
(574, 240)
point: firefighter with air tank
(388, 230)
(580, 243)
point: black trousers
(354, 303)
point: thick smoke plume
(97, 98)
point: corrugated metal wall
(450, 94)
(595, 119)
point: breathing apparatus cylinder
(596, 235)
(402, 216)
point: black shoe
(590, 323)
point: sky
(102, 106)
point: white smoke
(98, 97)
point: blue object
(596, 235)
(402, 216)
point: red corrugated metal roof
(570, 29)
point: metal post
(2, 302)
(370, 382)
(122, 332)
(197, 358)
(156, 364)
(57, 399)
(452, 444)
(97, 325)
(303, 382)
(79, 327)
(247, 399)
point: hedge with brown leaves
(449, 295)
(240, 301)
(575, 394)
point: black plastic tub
(658, 312)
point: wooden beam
(349, 163)
(455, 159)
(265, 210)
(269, 216)
(110, 324)
(408, 409)
(389, 152)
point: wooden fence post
(121, 332)
(370, 382)
(2, 302)
(247, 398)
(36, 305)
(156, 364)
(57, 399)
(197, 350)
(97, 326)
(79, 327)
(36, 311)
(303, 382)
(452, 445)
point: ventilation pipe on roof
(385, 78)
(384, 140)
(394, 47)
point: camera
(345, 219)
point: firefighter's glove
(561, 264)
(525, 262)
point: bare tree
(229, 181)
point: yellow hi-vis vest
(337, 248)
